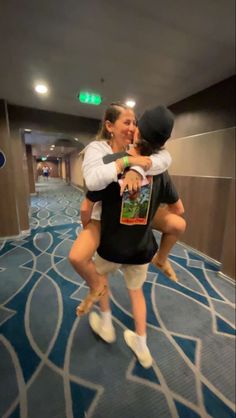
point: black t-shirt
(130, 244)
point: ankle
(106, 317)
(141, 342)
(160, 259)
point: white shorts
(134, 274)
(97, 211)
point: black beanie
(155, 125)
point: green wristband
(125, 161)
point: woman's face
(123, 129)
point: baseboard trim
(25, 232)
(207, 257)
(224, 276)
(21, 235)
(216, 263)
(77, 187)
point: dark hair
(112, 113)
(155, 125)
(147, 148)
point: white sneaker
(144, 357)
(107, 334)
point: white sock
(106, 319)
(141, 341)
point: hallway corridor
(55, 367)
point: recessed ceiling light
(76, 139)
(130, 103)
(41, 88)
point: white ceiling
(153, 51)
(42, 142)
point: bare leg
(139, 310)
(137, 340)
(81, 259)
(172, 227)
(104, 301)
(102, 324)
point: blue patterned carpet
(53, 366)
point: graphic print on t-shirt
(135, 206)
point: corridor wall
(14, 176)
(13, 189)
(31, 169)
(63, 169)
(76, 170)
(203, 169)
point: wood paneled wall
(30, 165)
(20, 173)
(9, 222)
(203, 169)
(208, 205)
(228, 244)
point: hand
(85, 218)
(141, 161)
(86, 208)
(132, 181)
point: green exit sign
(89, 98)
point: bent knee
(179, 225)
(76, 260)
(72, 258)
(173, 224)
